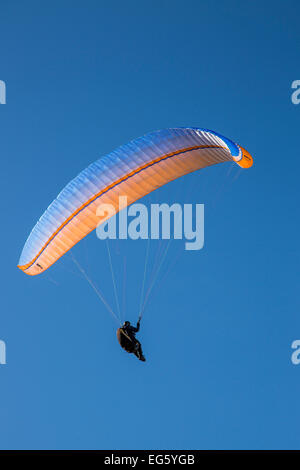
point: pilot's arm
(135, 329)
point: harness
(126, 335)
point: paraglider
(133, 170)
(126, 337)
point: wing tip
(246, 160)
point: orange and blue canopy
(133, 170)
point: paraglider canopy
(134, 169)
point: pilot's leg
(139, 352)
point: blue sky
(83, 78)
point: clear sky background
(83, 78)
